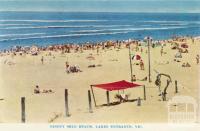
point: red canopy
(119, 85)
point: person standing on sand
(42, 60)
(97, 50)
(161, 51)
(192, 40)
(141, 50)
(197, 59)
(141, 65)
(37, 90)
(67, 67)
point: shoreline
(94, 43)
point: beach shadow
(117, 103)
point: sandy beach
(19, 80)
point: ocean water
(45, 28)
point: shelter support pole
(66, 103)
(93, 96)
(144, 92)
(23, 117)
(176, 87)
(108, 99)
(90, 102)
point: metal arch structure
(158, 83)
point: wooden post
(138, 101)
(144, 92)
(93, 96)
(130, 62)
(149, 61)
(90, 102)
(66, 103)
(23, 115)
(108, 99)
(176, 87)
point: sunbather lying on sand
(177, 60)
(91, 66)
(47, 91)
(144, 79)
(122, 97)
(186, 65)
(38, 91)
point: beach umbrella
(136, 57)
(184, 45)
(34, 48)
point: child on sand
(134, 78)
(37, 90)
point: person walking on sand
(67, 67)
(42, 60)
(197, 59)
(141, 50)
(141, 65)
(161, 51)
(192, 40)
(97, 50)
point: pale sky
(177, 6)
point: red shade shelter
(118, 85)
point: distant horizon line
(100, 12)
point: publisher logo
(182, 109)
